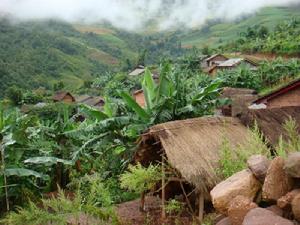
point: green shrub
(235, 160)
(140, 179)
(60, 210)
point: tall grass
(235, 160)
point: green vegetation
(40, 54)
(267, 75)
(283, 39)
(218, 33)
(292, 143)
(235, 160)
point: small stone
(286, 200)
(296, 207)
(242, 183)
(238, 209)
(259, 164)
(292, 164)
(259, 216)
(225, 221)
(275, 209)
(277, 182)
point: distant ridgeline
(35, 54)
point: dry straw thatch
(192, 146)
(271, 121)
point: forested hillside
(35, 54)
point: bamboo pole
(163, 192)
(201, 206)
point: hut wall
(140, 99)
(291, 98)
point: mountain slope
(218, 32)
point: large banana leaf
(21, 172)
(149, 89)
(131, 103)
(165, 86)
(93, 113)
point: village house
(63, 96)
(288, 95)
(192, 149)
(231, 64)
(93, 101)
(215, 60)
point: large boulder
(238, 209)
(296, 207)
(277, 182)
(259, 164)
(242, 183)
(292, 165)
(285, 201)
(259, 216)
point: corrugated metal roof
(231, 62)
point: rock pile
(266, 193)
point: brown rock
(277, 182)
(242, 183)
(292, 165)
(238, 209)
(286, 200)
(259, 216)
(259, 164)
(225, 221)
(275, 209)
(296, 207)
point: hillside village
(184, 145)
(202, 136)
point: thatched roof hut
(192, 147)
(271, 121)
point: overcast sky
(132, 14)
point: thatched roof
(270, 121)
(192, 146)
(60, 95)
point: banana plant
(172, 98)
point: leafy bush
(140, 179)
(235, 160)
(61, 210)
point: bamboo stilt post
(163, 192)
(4, 177)
(201, 206)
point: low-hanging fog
(133, 14)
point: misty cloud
(133, 14)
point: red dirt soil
(130, 214)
